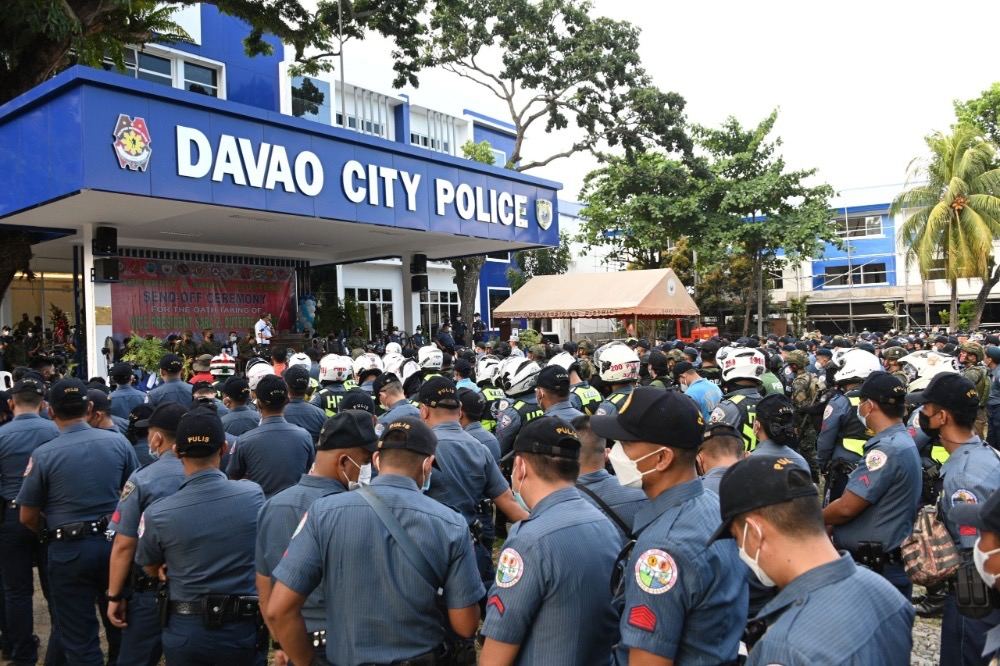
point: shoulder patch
(502, 405)
(642, 617)
(142, 524)
(963, 496)
(828, 411)
(875, 460)
(31, 466)
(127, 490)
(510, 568)
(717, 416)
(655, 571)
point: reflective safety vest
(330, 400)
(748, 414)
(527, 411)
(854, 434)
(939, 454)
(618, 398)
(493, 397)
(590, 399)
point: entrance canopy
(652, 294)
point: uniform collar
(593, 477)
(322, 482)
(272, 419)
(395, 481)
(894, 429)
(204, 476)
(668, 499)
(75, 427)
(293, 400)
(973, 443)
(715, 472)
(552, 499)
(25, 417)
(241, 408)
(399, 403)
(562, 404)
(453, 426)
(799, 589)
(475, 425)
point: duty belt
(318, 638)
(74, 531)
(141, 582)
(9, 504)
(228, 607)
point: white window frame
(381, 303)
(869, 220)
(499, 157)
(177, 59)
(425, 299)
(488, 308)
(499, 261)
(855, 275)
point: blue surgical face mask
(517, 495)
(154, 454)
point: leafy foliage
(478, 152)
(954, 215)
(983, 113)
(144, 352)
(340, 317)
(543, 261)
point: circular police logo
(827, 412)
(875, 460)
(502, 405)
(963, 496)
(510, 568)
(717, 416)
(655, 571)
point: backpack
(929, 554)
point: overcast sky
(857, 84)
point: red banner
(160, 297)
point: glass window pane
(311, 99)
(154, 64)
(155, 78)
(198, 74)
(362, 294)
(349, 293)
(387, 295)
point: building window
(499, 158)
(937, 270)
(155, 69)
(866, 274)
(175, 72)
(311, 99)
(873, 274)
(862, 226)
(435, 307)
(201, 80)
(836, 276)
(425, 141)
(377, 304)
(777, 279)
(497, 295)
(502, 257)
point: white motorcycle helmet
(335, 368)
(741, 363)
(300, 358)
(257, 371)
(617, 363)
(922, 366)
(564, 360)
(366, 364)
(393, 348)
(392, 361)
(429, 357)
(857, 365)
(407, 369)
(519, 377)
(223, 365)
(487, 369)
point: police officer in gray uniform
(298, 411)
(125, 396)
(388, 390)
(241, 418)
(411, 591)
(547, 605)
(721, 447)
(552, 394)
(202, 539)
(876, 512)
(131, 593)
(619, 503)
(173, 388)
(139, 437)
(343, 460)
(775, 431)
(75, 480)
(276, 453)
(18, 545)
(474, 406)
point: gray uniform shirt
(275, 455)
(173, 391)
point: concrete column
(94, 361)
(410, 318)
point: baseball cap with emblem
(473, 403)
(952, 392)
(236, 388)
(652, 415)
(553, 378)
(171, 363)
(348, 429)
(99, 399)
(28, 384)
(271, 391)
(381, 381)
(121, 371)
(409, 433)
(758, 481)
(297, 377)
(358, 398)
(548, 436)
(439, 392)
(165, 416)
(200, 432)
(68, 393)
(883, 388)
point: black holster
(263, 635)
(163, 605)
(871, 554)
(459, 652)
(972, 596)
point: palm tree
(954, 215)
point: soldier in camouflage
(803, 391)
(890, 359)
(970, 356)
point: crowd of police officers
(724, 502)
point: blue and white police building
(208, 164)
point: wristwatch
(116, 597)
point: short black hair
(410, 461)
(74, 411)
(964, 418)
(26, 399)
(552, 468)
(559, 392)
(723, 444)
(893, 411)
(799, 517)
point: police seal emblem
(132, 143)
(655, 571)
(875, 460)
(510, 568)
(543, 213)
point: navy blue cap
(200, 432)
(68, 393)
(171, 363)
(348, 429)
(409, 433)
(758, 481)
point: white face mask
(753, 563)
(626, 469)
(979, 558)
(364, 475)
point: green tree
(952, 218)
(543, 261)
(758, 207)
(982, 112)
(637, 207)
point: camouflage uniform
(803, 391)
(893, 354)
(980, 377)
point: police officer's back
(276, 453)
(518, 378)
(619, 503)
(173, 388)
(681, 598)
(18, 440)
(298, 411)
(240, 418)
(335, 372)
(125, 396)
(544, 600)
(131, 593)
(343, 461)
(742, 369)
(877, 510)
(388, 390)
(75, 480)
(391, 612)
(204, 536)
(775, 432)
(552, 394)
(473, 409)
(827, 610)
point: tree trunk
(953, 312)
(983, 296)
(15, 258)
(467, 280)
